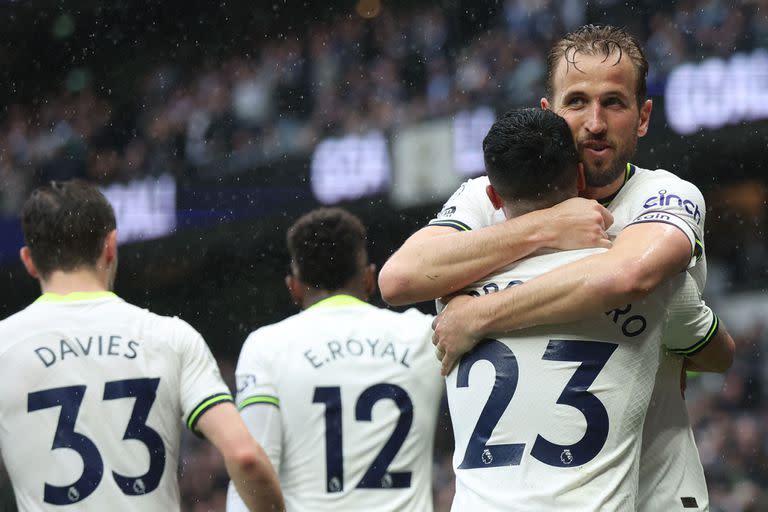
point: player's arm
(716, 356)
(642, 256)
(439, 260)
(247, 463)
(258, 403)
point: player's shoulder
(14, 326)
(663, 180)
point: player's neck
(312, 297)
(82, 280)
(599, 193)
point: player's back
(551, 418)
(92, 398)
(358, 389)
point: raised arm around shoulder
(439, 260)
(642, 257)
(247, 464)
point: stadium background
(213, 126)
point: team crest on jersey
(139, 487)
(447, 212)
(664, 199)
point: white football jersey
(646, 196)
(551, 418)
(358, 390)
(93, 396)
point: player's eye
(614, 102)
(576, 101)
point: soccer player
(94, 389)
(597, 82)
(343, 395)
(556, 424)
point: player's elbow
(248, 459)
(725, 359)
(624, 286)
(395, 284)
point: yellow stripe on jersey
(74, 296)
(455, 224)
(696, 347)
(204, 406)
(259, 399)
(342, 299)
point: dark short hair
(65, 224)
(327, 246)
(530, 155)
(602, 40)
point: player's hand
(577, 223)
(454, 336)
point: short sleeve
(691, 324)
(677, 202)
(468, 208)
(202, 386)
(254, 374)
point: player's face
(597, 98)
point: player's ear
(496, 200)
(369, 279)
(545, 104)
(110, 247)
(295, 289)
(645, 117)
(581, 180)
(26, 259)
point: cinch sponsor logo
(664, 199)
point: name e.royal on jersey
(375, 348)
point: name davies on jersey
(96, 345)
(334, 350)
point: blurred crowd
(378, 68)
(383, 70)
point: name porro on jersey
(335, 350)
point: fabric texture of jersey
(358, 389)
(95, 390)
(646, 196)
(569, 399)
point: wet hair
(530, 155)
(604, 40)
(327, 248)
(65, 224)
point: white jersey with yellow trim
(646, 196)
(551, 418)
(358, 390)
(95, 390)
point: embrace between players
(570, 324)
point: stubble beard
(604, 173)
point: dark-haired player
(94, 389)
(596, 80)
(550, 418)
(343, 395)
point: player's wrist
(536, 231)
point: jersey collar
(74, 296)
(336, 301)
(628, 173)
